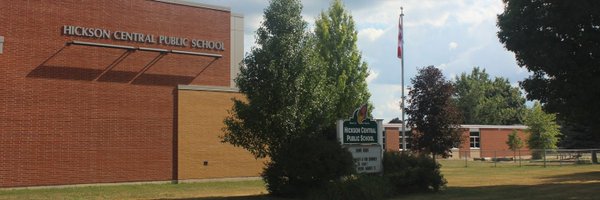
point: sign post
(363, 137)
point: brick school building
(117, 91)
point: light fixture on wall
(1, 44)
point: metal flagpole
(402, 59)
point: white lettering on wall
(100, 33)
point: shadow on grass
(503, 192)
(583, 185)
(576, 177)
(580, 191)
(250, 197)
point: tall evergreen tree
(282, 82)
(433, 113)
(575, 136)
(346, 72)
(485, 101)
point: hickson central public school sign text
(359, 129)
(100, 33)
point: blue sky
(453, 35)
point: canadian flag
(400, 39)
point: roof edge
(207, 88)
(240, 15)
(193, 4)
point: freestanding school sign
(362, 136)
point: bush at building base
(536, 155)
(411, 173)
(403, 174)
(359, 187)
(306, 163)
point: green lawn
(480, 180)
(509, 181)
(244, 189)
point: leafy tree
(543, 130)
(482, 100)
(282, 82)
(346, 73)
(433, 113)
(514, 143)
(559, 41)
(292, 99)
(395, 121)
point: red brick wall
(465, 145)
(493, 142)
(60, 126)
(392, 139)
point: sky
(452, 35)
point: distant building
(479, 141)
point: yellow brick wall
(200, 123)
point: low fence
(533, 157)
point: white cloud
(521, 70)
(517, 69)
(465, 58)
(386, 99)
(442, 66)
(376, 12)
(451, 77)
(372, 76)
(452, 45)
(477, 12)
(252, 22)
(370, 33)
(436, 22)
(514, 84)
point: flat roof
(194, 4)
(516, 126)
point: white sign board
(363, 137)
(367, 158)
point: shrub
(306, 163)
(355, 188)
(403, 173)
(536, 155)
(583, 162)
(408, 173)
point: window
(383, 141)
(408, 134)
(474, 140)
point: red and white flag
(400, 38)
